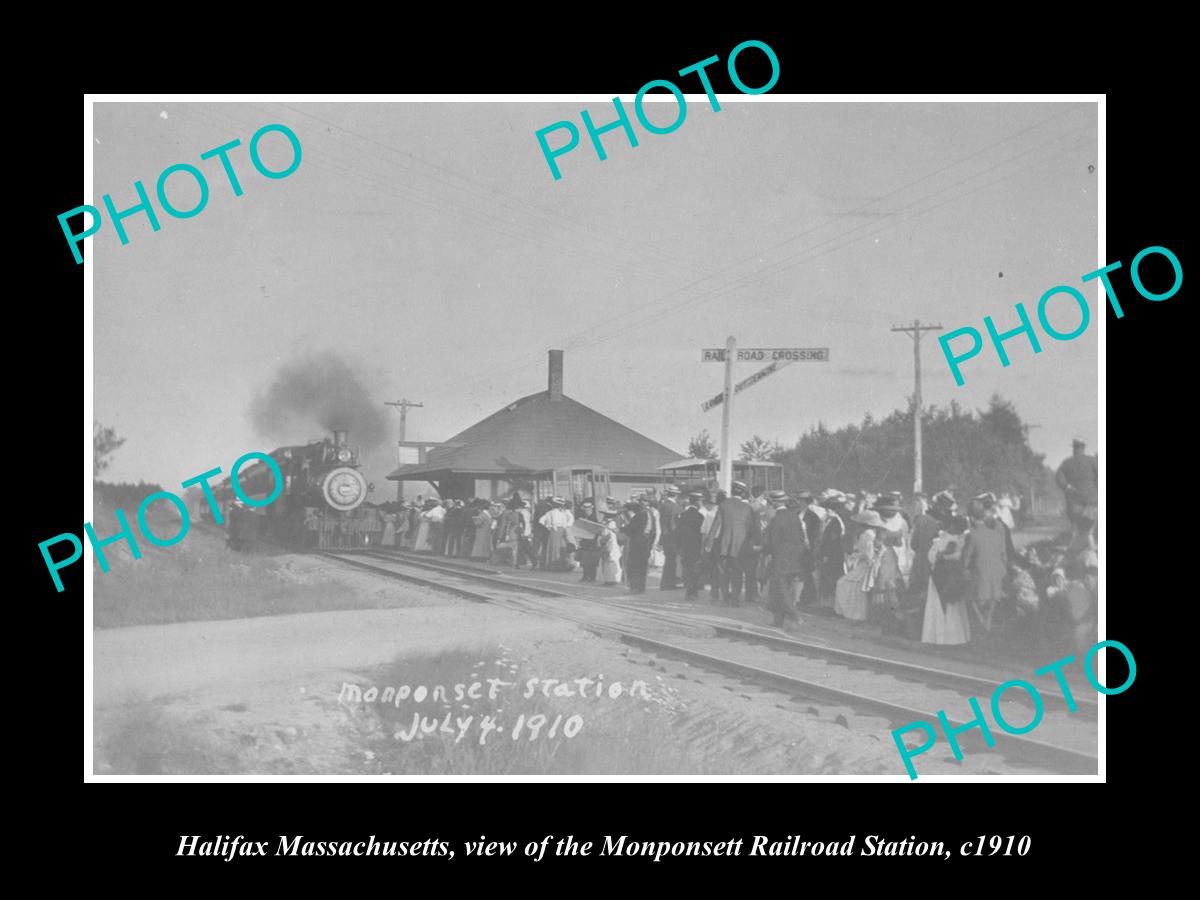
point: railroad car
(573, 483)
(322, 505)
(704, 474)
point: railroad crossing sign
(770, 354)
(777, 357)
(745, 383)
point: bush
(200, 578)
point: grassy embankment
(199, 578)
(627, 735)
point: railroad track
(800, 669)
(958, 681)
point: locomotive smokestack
(556, 375)
(339, 439)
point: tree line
(965, 451)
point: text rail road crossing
(769, 354)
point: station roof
(538, 433)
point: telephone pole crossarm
(403, 406)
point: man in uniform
(734, 536)
(1079, 479)
(668, 515)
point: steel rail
(957, 681)
(1037, 752)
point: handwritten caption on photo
(458, 725)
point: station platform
(995, 658)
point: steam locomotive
(321, 505)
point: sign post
(726, 414)
(776, 357)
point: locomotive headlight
(344, 489)
(344, 455)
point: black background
(1075, 828)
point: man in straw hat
(812, 520)
(786, 547)
(925, 528)
(689, 541)
(733, 535)
(640, 530)
(588, 552)
(668, 516)
(985, 560)
(830, 553)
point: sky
(428, 245)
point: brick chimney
(556, 375)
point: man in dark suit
(812, 524)
(831, 552)
(734, 538)
(540, 532)
(452, 527)
(689, 541)
(786, 544)
(588, 552)
(640, 530)
(668, 515)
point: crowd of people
(612, 545)
(933, 570)
(929, 571)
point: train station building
(523, 444)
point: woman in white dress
(946, 621)
(423, 542)
(558, 521)
(852, 594)
(610, 553)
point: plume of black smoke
(318, 391)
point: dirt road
(264, 695)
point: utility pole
(403, 405)
(726, 456)
(915, 330)
(1033, 505)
